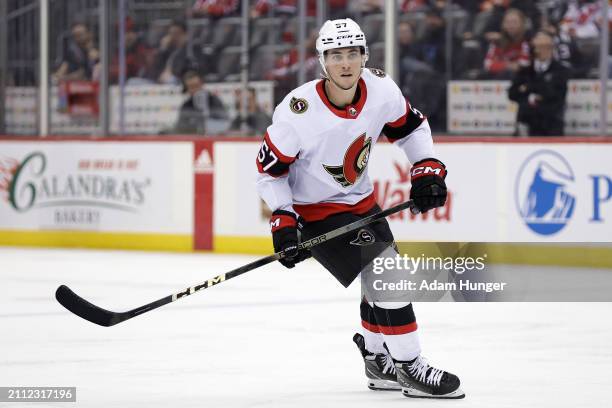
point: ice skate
(420, 380)
(379, 368)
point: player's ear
(364, 56)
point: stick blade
(88, 311)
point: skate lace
(389, 365)
(419, 370)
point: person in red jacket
(215, 8)
(138, 56)
(509, 50)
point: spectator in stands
(171, 58)
(287, 65)
(471, 6)
(409, 51)
(418, 80)
(263, 8)
(363, 7)
(215, 8)
(256, 121)
(497, 10)
(566, 51)
(554, 11)
(508, 51)
(433, 44)
(202, 113)
(540, 90)
(427, 82)
(137, 55)
(407, 6)
(582, 22)
(80, 58)
(582, 19)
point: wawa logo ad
(392, 191)
(76, 196)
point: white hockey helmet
(340, 33)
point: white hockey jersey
(313, 159)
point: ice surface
(274, 338)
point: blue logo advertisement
(543, 192)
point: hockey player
(313, 175)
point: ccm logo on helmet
(422, 170)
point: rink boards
(186, 194)
(489, 193)
(105, 194)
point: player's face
(344, 66)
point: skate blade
(383, 385)
(412, 393)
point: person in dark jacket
(202, 113)
(540, 90)
(171, 59)
(80, 57)
(256, 121)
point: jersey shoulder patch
(378, 72)
(298, 105)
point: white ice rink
(274, 338)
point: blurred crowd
(438, 40)
(493, 39)
(466, 39)
(487, 39)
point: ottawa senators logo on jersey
(354, 164)
(298, 105)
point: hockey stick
(88, 311)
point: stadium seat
(200, 30)
(291, 27)
(226, 32)
(589, 50)
(262, 61)
(228, 64)
(460, 19)
(265, 31)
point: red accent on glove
(428, 167)
(279, 221)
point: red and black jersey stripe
(270, 160)
(405, 125)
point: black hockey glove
(285, 238)
(428, 187)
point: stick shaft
(95, 314)
(305, 244)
